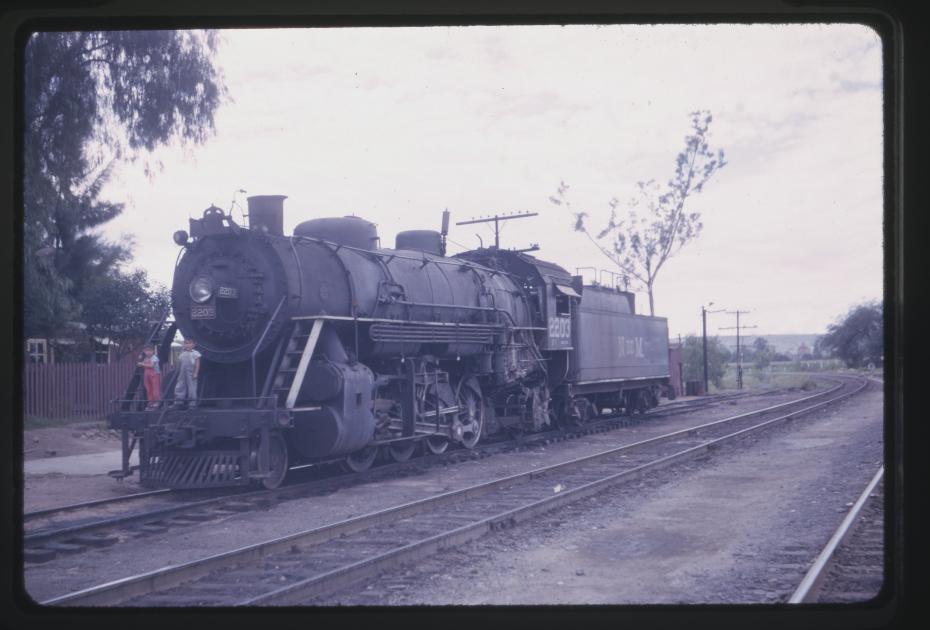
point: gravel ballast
(739, 526)
(68, 574)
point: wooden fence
(69, 390)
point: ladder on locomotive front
(290, 362)
(161, 334)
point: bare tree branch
(656, 226)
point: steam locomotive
(323, 346)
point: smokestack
(266, 214)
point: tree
(119, 307)
(857, 338)
(692, 357)
(49, 304)
(656, 225)
(91, 99)
(819, 351)
(763, 353)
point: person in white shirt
(185, 391)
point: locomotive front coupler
(174, 436)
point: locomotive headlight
(201, 289)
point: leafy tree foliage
(762, 353)
(857, 338)
(692, 357)
(656, 225)
(119, 307)
(90, 100)
(819, 352)
(48, 305)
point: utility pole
(704, 313)
(704, 337)
(681, 367)
(739, 357)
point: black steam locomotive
(323, 346)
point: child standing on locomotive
(188, 368)
(151, 378)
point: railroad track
(851, 566)
(48, 537)
(74, 507)
(315, 562)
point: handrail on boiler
(258, 344)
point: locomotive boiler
(325, 346)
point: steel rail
(676, 407)
(807, 589)
(123, 519)
(166, 511)
(70, 532)
(343, 576)
(50, 533)
(72, 507)
(133, 586)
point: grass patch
(794, 381)
(765, 379)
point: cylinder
(323, 381)
(266, 214)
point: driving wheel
(362, 459)
(401, 451)
(470, 416)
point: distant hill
(787, 344)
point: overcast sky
(396, 124)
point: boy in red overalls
(152, 377)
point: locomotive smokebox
(266, 214)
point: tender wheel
(362, 459)
(591, 412)
(471, 417)
(642, 402)
(277, 464)
(401, 451)
(579, 412)
(437, 444)
(630, 401)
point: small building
(52, 350)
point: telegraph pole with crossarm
(739, 358)
(496, 219)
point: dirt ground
(56, 489)
(72, 439)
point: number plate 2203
(207, 311)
